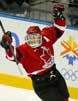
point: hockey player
(37, 57)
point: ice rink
(8, 93)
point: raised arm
(54, 32)
(59, 19)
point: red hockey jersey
(36, 60)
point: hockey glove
(58, 11)
(6, 40)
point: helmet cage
(34, 40)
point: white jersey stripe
(60, 27)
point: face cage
(34, 40)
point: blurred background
(40, 9)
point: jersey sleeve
(60, 26)
(55, 31)
(9, 54)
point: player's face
(34, 40)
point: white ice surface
(8, 93)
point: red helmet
(33, 30)
(34, 37)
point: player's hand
(58, 11)
(6, 40)
(58, 8)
